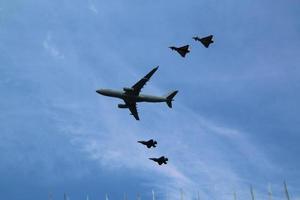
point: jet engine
(122, 106)
(128, 89)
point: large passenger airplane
(132, 95)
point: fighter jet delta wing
(181, 50)
(140, 84)
(185, 48)
(206, 41)
(133, 109)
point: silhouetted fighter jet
(149, 143)
(161, 160)
(181, 50)
(132, 95)
(206, 41)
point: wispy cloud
(93, 8)
(51, 48)
(56, 102)
(200, 151)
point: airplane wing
(133, 110)
(206, 40)
(182, 53)
(185, 48)
(140, 84)
(207, 37)
(205, 43)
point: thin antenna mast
(270, 192)
(181, 194)
(153, 195)
(50, 196)
(286, 191)
(252, 193)
(167, 195)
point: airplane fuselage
(131, 98)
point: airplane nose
(100, 91)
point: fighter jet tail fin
(170, 97)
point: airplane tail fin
(170, 97)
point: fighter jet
(149, 143)
(131, 96)
(181, 50)
(206, 41)
(161, 160)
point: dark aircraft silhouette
(206, 41)
(161, 160)
(132, 95)
(149, 143)
(181, 50)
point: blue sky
(234, 121)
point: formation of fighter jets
(131, 95)
(183, 50)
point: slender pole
(153, 195)
(286, 191)
(270, 192)
(181, 194)
(234, 196)
(50, 196)
(252, 193)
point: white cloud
(193, 144)
(201, 152)
(51, 48)
(93, 8)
